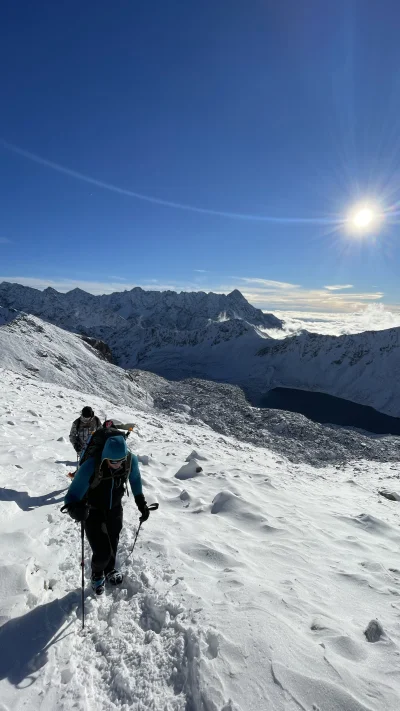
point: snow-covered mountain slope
(46, 353)
(137, 321)
(216, 351)
(250, 589)
(42, 352)
(362, 367)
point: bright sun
(363, 219)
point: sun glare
(363, 219)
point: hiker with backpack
(82, 428)
(95, 498)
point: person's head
(87, 414)
(115, 451)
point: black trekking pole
(152, 507)
(83, 572)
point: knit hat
(87, 411)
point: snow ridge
(45, 353)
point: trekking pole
(134, 542)
(83, 572)
(152, 507)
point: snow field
(249, 590)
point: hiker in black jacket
(82, 428)
(95, 496)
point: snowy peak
(184, 310)
(134, 323)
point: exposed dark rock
(374, 631)
(225, 409)
(391, 495)
(103, 348)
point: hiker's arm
(80, 482)
(135, 479)
(73, 435)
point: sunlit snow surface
(249, 589)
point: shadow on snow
(25, 640)
(28, 503)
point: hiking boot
(98, 583)
(114, 577)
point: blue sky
(256, 111)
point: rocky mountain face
(137, 323)
(7, 315)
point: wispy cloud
(339, 287)
(3, 240)
(267, 283)
(327, 220)
(201, 271)
(270, 295)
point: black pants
(102, 531)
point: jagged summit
(134, 323)
(77, 290)
(132, 303)
(237, 295)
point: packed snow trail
(249, 590)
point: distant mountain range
(137, 324)
(220, 338)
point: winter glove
(79, 511)
(140, 502)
